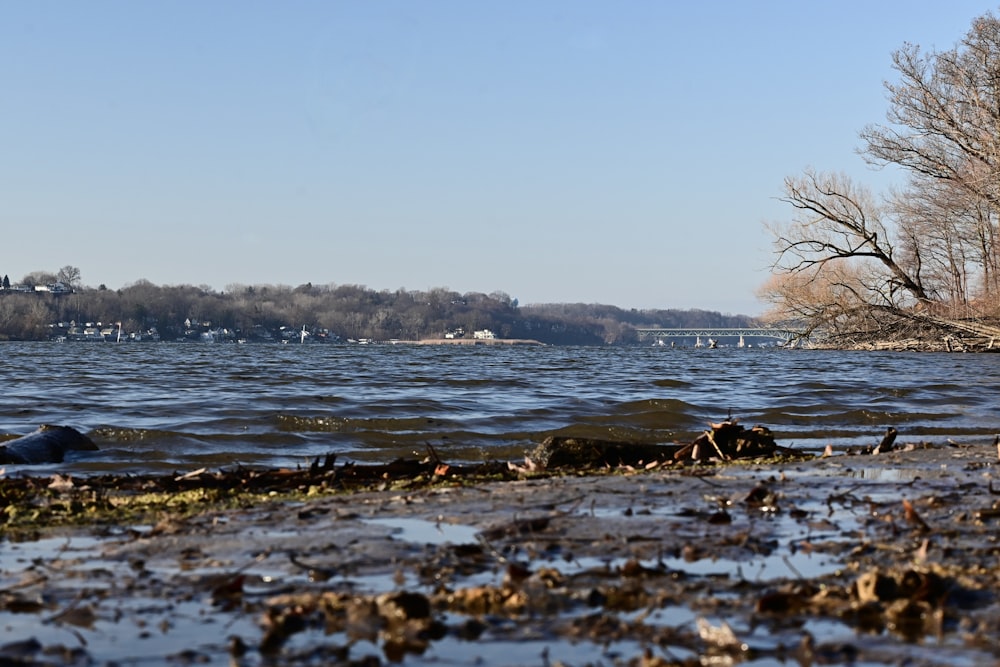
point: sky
(560, 151)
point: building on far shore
(51, 288)
(483, 334)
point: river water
(164, 407)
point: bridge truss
(776, 333)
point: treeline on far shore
(341, 312)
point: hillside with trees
(923, 260)
(44, 305)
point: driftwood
(885, 445)
(553, 454)
(725, 441)
(564, 452)
(728, 440)
(888, 442)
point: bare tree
(836, 297)
(944, 113)
(837, 221)
(933, 245)
(69, 275)
(944, 130)
(943, 242)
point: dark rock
(48, 444)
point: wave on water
(163, 406)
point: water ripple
(178, 406)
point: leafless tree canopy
(848, 256)
(945, 113)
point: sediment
(874, 559)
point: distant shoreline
(475, 341)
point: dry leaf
(60, 483)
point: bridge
(777, 333)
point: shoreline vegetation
(323, 313)
(144, 312)
(660, 557)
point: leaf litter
(589, 553)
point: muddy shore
(874, 560)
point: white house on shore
(54, 288)
(483, 334)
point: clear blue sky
(626, 153)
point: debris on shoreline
(33, 501)
(880, 560)
(723, 441)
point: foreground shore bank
(884, 559)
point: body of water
(163, 407)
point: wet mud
(851, 559)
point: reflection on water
(114, 626)
(166, 407)
(898, 474)
(15, 556)
(422, 531)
